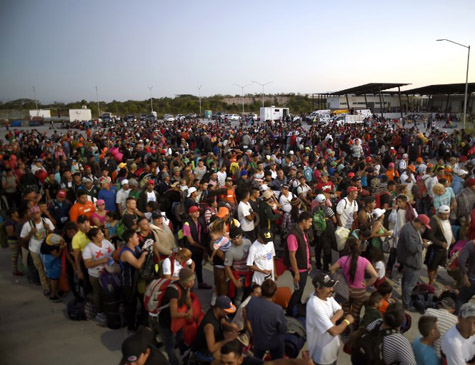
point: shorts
(52, 266)
(439, 257)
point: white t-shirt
(121, 197)
(322, 346)
(222, 178)
(459, 350)
(262, 256)
(244, 209)
(380, 269)
(41, 233)
(346, 211)
(151, 196)
(167, 267)
(303, 189)
(285, 202)
(447, 232)
(92, 251)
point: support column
(400, 101)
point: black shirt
(200, 343)
(164, 317)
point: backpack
(369, 348)
(121, 228)
(319, 222)
(3, 236)
(154, 293)
(76, 310)
(110, 283)
(423, 297)
(178, 209)
(149, 270)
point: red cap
(351, 175)
(61, 194)
(150, 182)
(424, 220)
(368, 159)
(352, 188)
(193, 209)
(471, 182)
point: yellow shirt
(80, 241)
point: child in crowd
(377, 259)
(110, 228)
(219, 237)
(386, 290)
(423, 347)
(371, 312)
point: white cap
(462, 172)
(377, 213)
(191, 191)
(321, 198)
(124, 182)
(444, 209)
(291, 152)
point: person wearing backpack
(384, 344)
(177, 295)
(34, 232)
(324, 222)
(131, 259)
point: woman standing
(98, 218)
(13, 227)
(354, 268)
(96, 255)
(378, 231)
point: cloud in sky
(66, 48)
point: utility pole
(151, 100)
(98, 108)
(263, 86)
(36, 102)
(242, 94)
(199, 95)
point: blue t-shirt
(109, 198)
(424, 354)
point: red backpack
(155, 292)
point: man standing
(108, 193)
(235, 265)
(79, 243)
(82, 207)
(299, 257)
(466, 261)
(193, 232)
(409, 253)
(458, 344)
(261, 257)
(246, 217)
(323, 312)
(267, 322)
(131, 214)
(347, 208)
(122, 196)
(442, 237)
(148, 195)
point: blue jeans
(408, 282)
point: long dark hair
(353, 245)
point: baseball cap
(391, 164)
(222, 212)
(100, 202)
(193, 209)
(368, 159)
(462, 172)
(284, 187)
(471, 182)
(424, 220)
(444, 209)
(267, 195)
(377, 213)
(122, 165)
(467, 310)
(412, 168)
(448, 303)
(150, 182)
(53, 239)
(61, 194)
(235, 232)
(229, 179)
(225, 303)
(125, 182)
(137, 344)
(191, 191)
(323, 280)
(104, 180)
(133, 182)
(351, 175)
(243, 172)
(157, 214)
(352, 188)
(266, 235)
(321, 198)
(86, 179)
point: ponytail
(354, 247)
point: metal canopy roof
(441, 89)
(371, 88)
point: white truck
(348, 119)
(80, 115)
(273, 113)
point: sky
(66, 48)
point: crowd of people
(126, 217)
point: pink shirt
(293, 246)
(345, 263)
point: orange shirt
(81, 209)
(384, 306)
(391, 174)
(230, 196)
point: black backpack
(76, 310)
(148, 270)
(369, 348)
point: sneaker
(46, 293)
(204, 286)
(17, 273)
(55, 299)
(101, 317)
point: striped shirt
(397, 348)
(445, 321)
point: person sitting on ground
(386, 290)
(138, 349)
(423, 347)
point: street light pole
(466, 78)
(263, 86)
(97, 99)
(151, 100)
(242, 94)
(36, 102)
(199, 95)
